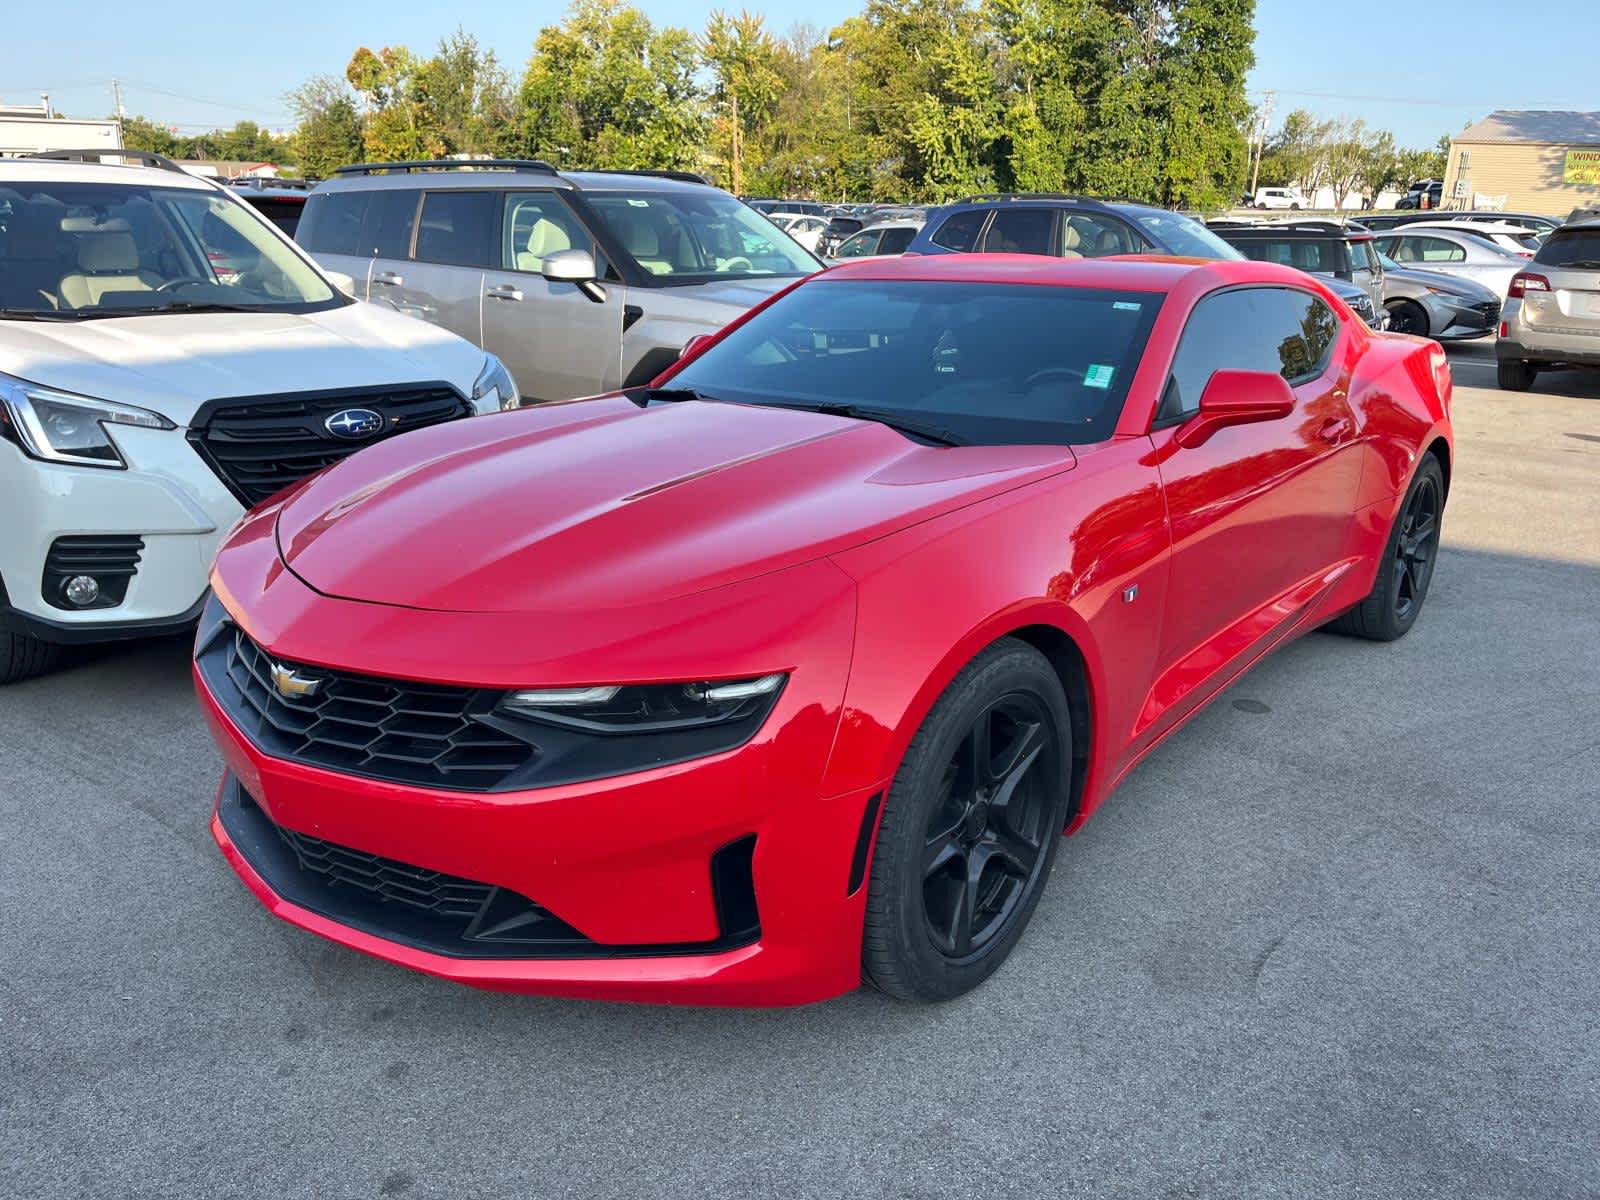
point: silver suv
(1552, 312)
(580, 282)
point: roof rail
(987, 197)
(148, 158)
(266, 182)
(680, 176)
(450, 164)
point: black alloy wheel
(985, 838)
(1406, 316)
(1406, 568)
(1417, 547)
(970, 827)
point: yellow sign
(1583, 167)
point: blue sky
(1419, 70)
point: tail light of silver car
(1526, 281)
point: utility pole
(738, 188)
(116, 96)
(1261, 143)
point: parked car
(1515, 239)
(809, 207)
(1425, 193)
(1064, 227)
(1278, 197)
(885, 239)
(1541, 226)
(1431, 304)
(280, 201)
(802, 227)
(839, 227)
(1452, 252)
(149, 397)
(1552, 316)
(788, 673)
(580, 281)
(1341, 250)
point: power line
(1490, 104)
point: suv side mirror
(1237, 398)
(574, 266)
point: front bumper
(167, 497)
(1460, 321)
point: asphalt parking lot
(1339, 937)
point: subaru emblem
(354, 424)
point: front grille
(260, 445)
(448, 914)
(111, 558)
(391, 729)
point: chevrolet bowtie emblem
(291, 685)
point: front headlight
(496, 379)
(648, 708)
(62, 427)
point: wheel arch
(1066, 659)
(1440, 449)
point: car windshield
(981, 363)
(1571, 248)
(1182, 235)
(76, 251)
(693, 236)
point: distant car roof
(437, 175)
(1295, 229)
(1478, 227)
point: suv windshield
(978, 363)
(692, 236)
(1180, 234)
(1571, 248)
(73, 251)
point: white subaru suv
(168, 360)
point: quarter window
(895, 241)
(364, 224)
(1250, 329)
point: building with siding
(1543, 162)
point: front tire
(23, 657)
(1409, 556)
(1515, 374)
(1407, 316)
(970, 828)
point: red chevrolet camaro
(790, 670)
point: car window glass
(861, 244)
(537, 225)
(960, 232)
(457, 228)
(1019, 231)
(1283, 330)
(1304, 254)
(990, 363)
(1571, 248)
(1435, 249)
(366, 224)
(895, 241)
(692, 235)
(1089, 236)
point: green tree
(328, 129)
(140, 133)
(745, 62)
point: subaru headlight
(648, 708)
(495, 379)
(67, 428)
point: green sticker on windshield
(1098, 375)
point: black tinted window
(457, 228)
(365, 224)
(1571, 248)
(895, 241)
(1020, 231)
(1304, 254)
(1250, 329)
(960, 232)
(991, 364)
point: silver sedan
(1435, 305)
(1455, 253)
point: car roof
(1304, 230)
(1133, 272)
(1479, 227)
(25, 170)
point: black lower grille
(447, 914)
(392, 729)
(260, 445)
(112, 559)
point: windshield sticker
(1098, 375)
(632, 203)
(1127, 306)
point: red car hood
(602, 504)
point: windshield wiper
(677, 395)
(36, 314)
(185, 306)
(1583, 263)
(895, 421)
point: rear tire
(1515, 374)
(23, 657)
(970, 828)
(1409, 557)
